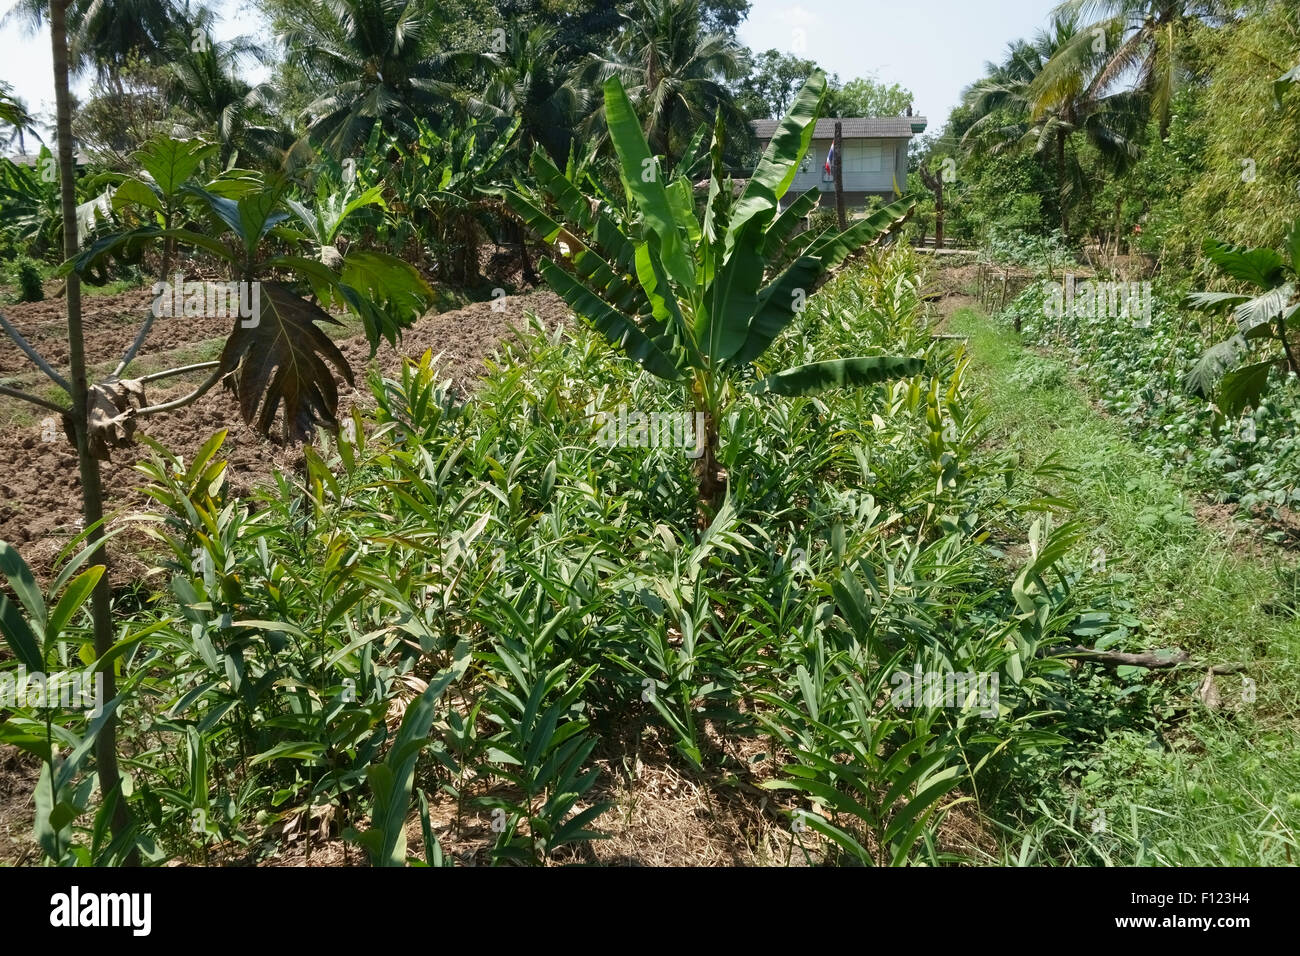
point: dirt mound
(39, 484)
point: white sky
(935, 48)
(932, 47)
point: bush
(30, 282)
(819, 220)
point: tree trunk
(712, 483)
(838, 170)
(1119, 218)
(1060, 182)
(938, 216)
(935, 185)
(92, 497)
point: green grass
(1212, 787)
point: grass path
(1209, 786)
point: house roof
(31, 159)
(856, 127)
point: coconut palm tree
(1146, 36)
(1022, 104)
(527, 80)
(15, 115)
(379, 61)
(675, 72)
(205, 83)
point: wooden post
(935, 185)
(839, 177)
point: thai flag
(830, 156)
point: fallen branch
(1149, 659)
(1152, 660)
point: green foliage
(1146, 779)
(29, 205)
(527, 596)
(868, 96)
(1141, 373)
(40, 632)
(773, 78)
(1226, 167)
(275, 357)
(710, 294)
(674, 70)
(391, 781)
(440, 193)
(30, 281)
(1261, 314)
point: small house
(875, 157)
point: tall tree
(204, 82)
(770, 82)
(1143, 41)
(1021, 104)
(92, 495)
(528, 80)
(379, 61)
(675, 71)
(15, 115)
(867, 96)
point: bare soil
(40, 486)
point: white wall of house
(870, 166)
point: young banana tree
(697, 299)
(1261, 314)
(323, 220)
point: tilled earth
(40, 506)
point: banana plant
(439, 189)
(1261, 314)
(324, 219)
(29, 203)
(697, 299)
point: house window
(860, 157)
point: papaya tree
(697, 298)
(1261, 316)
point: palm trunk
(92, 497)
(1060, 182)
